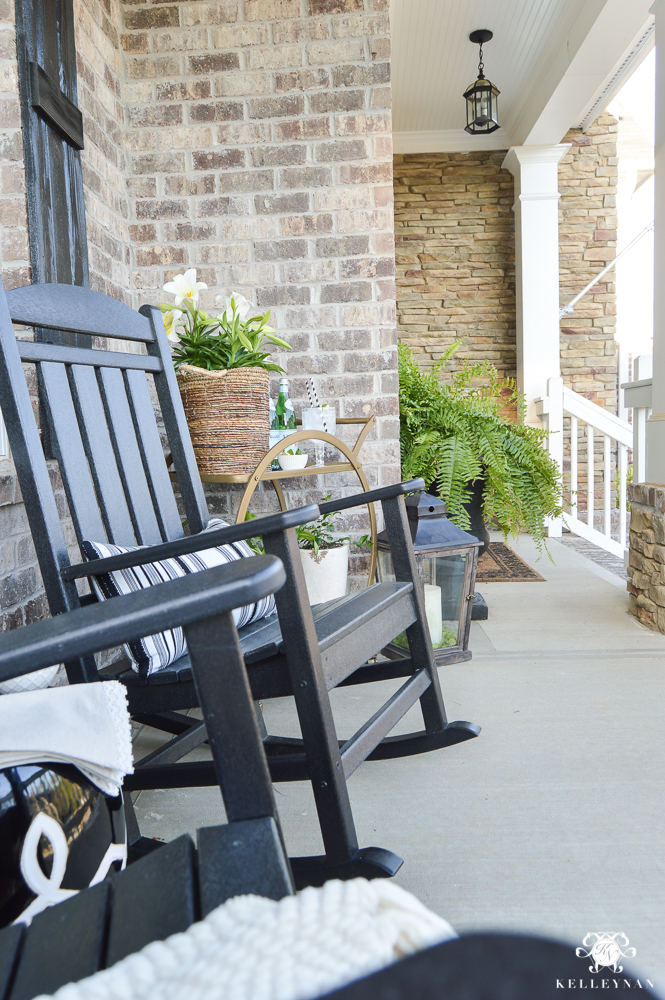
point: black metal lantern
(447, 558)
(482, 111)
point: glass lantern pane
(386, 569)
(450, 582)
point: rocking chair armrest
(272, 524)
(188, 599)
(384, 493)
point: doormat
(499, 564)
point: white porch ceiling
(551, 59)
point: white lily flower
(185, 287)
(173, 319)
(243, 307)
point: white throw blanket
(252, 948)
(83, 724)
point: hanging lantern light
(482, 113)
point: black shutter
(52, 140)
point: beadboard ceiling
(433, 61)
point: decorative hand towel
(251, 948)
(86, 725)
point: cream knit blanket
(252, 948)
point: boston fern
(453, 433)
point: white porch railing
(637, 396)
(574, 442)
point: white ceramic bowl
(288, 462)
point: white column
(537, 268)
(655, 425)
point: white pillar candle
(433, 612)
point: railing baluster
(639, 433)
(573, 467)
(607, 484)
(622, 496)
(590, 476)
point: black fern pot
(58, 834)
(475, 511)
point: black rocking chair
(103, 431)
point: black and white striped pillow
(154, 652)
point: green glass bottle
(282, 417)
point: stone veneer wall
(253, 141)
(454, 235)
(646, 569)
(588, 177)
(455, 256)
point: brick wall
(455, 256)
(14, 251)
(104, 158)
(253, 141)
(21, 594)
(259, 137)
(22, 598)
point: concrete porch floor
(552, 821)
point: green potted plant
(222, 367)
(454, 434)
(325, 559)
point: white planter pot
(326, 576)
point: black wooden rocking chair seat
(103, 432)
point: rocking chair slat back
(100, 455)
(102, 424)
(128, 456)
(150, 446)
(182, 451)
(29, 351)
(70, 451)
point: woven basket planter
(227, 415)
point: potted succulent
(222, 368)
(455, 435)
